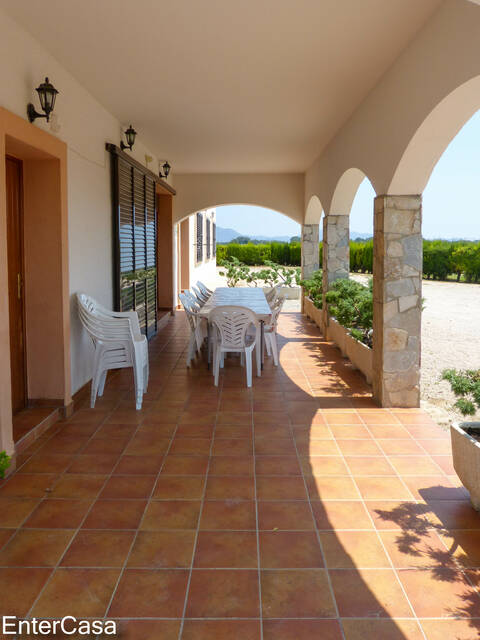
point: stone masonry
(310, 242)
(397, 300)
(336, 252)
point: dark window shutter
(199, 237)
(209, 246)
(135, 242)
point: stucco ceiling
(221, 85)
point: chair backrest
(189, 310)
(272, 295)
(232, 323)
(276, 309)
(202, 298)
(100, 323)
(194, 301)
(205, 290)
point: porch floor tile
(295, 509)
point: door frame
(19, 162)
(47, 303)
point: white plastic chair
(270, 330)
(198, 330)
(118, 344)
(231, 325)
(204, 289)
(196, 302)
(200, 296)
(272, 295)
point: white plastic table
(251, 297)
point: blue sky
(451, 200)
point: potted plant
(466, 435)
(4, 463)
(350, 309)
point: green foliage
(313, 288)
(236, 272)
(351, 304)
(361, 256)
(4, 463)
(441, 258)
(466, 386)
(255, 254)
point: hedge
(441, 258)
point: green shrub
(4, 463)
(351, 304)
(466, 386)
(313, 288)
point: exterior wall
(84, 125)
(206, 270)
(283, 192)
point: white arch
(313, 213)
(345, 192)
(433, 137)
(282, 192)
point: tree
(240, 240)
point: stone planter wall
(466, 460)
(358, 353)
(312, 312)
(290, 293)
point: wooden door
(15, 282)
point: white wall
(85, 126)
(206, 271)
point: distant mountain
(227, 235)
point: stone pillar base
(310, 241)
(397, 300)
(336, 253)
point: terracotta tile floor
(290, 511)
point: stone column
(310, 242)
(397, 300)
(336, 253)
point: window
(209, 246)
(199, 237)
(135, 242)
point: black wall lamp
(47, 94)
(166, 170)
(130, 135)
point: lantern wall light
(47, 95)
(166, 170)
(130, 135)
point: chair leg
(248, 367)
(273, 345)
(216, 364)
(191, 349)
(267, 344)
(101, 383)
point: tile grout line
(197, 532)
(387, 555)
(78, 529)
(322, 551)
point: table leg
(208, 344)
(262, 340)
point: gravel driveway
(450, 339)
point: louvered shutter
(209, 247)
(199, 237)
(135, 228)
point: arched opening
(451, 269)
(314, 211)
